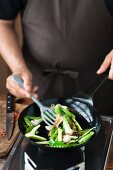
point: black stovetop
(93, 156)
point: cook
(65, 42)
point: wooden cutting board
(5, 145)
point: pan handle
(94, 86)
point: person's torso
(68, 33)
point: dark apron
(65, 41)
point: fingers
(35, 92)
(18, 91)
(107, 63)
(15, 89)
(111, 71)
(27, 78)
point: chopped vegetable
(28, 122)
(66, 138)
(59, 134)
(58, 120)
(34, 120)
(86, 137)
(66, 131)
(66, 126)
(32, 134)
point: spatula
(47, 114)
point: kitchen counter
(6, 145)
(109, 164)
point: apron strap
(72, 86)
(53, 71)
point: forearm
(9, 47)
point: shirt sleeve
(9, 9)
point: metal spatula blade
(47, 114)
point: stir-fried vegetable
(32, 134)
(66, 131)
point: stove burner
(25, 156)
(49, 159)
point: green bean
(53, 133)
(57, 109)
(34, 117)
(86, 137)
(28, 129)
(31, 136)
(72, 116)
(27, 121)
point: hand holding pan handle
(94, 86)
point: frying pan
(81, 104)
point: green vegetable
(34, 117)
(28, 129)
(53, 133)
(42, 142)
(35, 137)
(60, 109)
(27, 121)
(33, 120)
(59, 134)
(57, 109)
(66, 126)
(59, 144)
(86, 137)
(33, 131)
(32, 135)
(86, 131)
(68, 133)
(72, 116)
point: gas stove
(25, 156)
